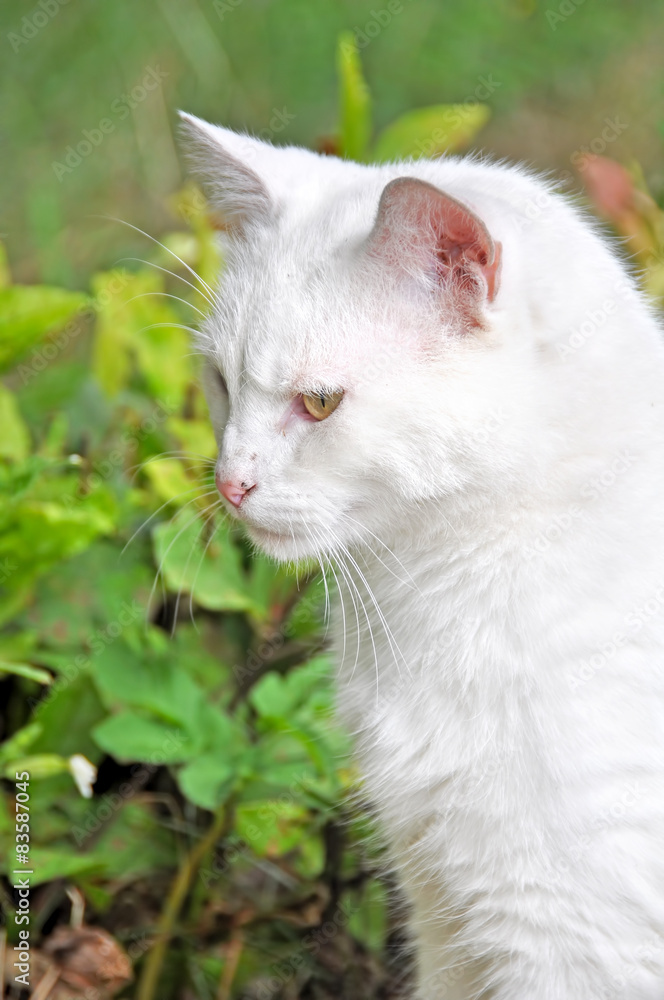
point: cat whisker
(145, 523)
(166, 295)
(326, 612)
(203, 335)
(388, 632)
(191, 270)
(197, 352)
(295, 562)
(320, 556)
(244, 374)
(182, 584)
(158, 574)
(175, 326)
(343, 608)
(215, 508)
(208, 516)
(410, 581)
(317, 552)
(165, 270)
(353, 590)
(135, 469)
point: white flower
(84, 774)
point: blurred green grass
(556, 77)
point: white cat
(438, 378)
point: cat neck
(486, 592)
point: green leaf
(141, 680)
(208, 780)
(129, 736)
(169, 480)
(308, 613)
(38, 766)
(196, 436)
(444, 128)
(355, 101)
(208, 569)
(26, 670)
(271, 827)
(55, 439)
(114, 332)
(13, 601)
(15, 437)
(134, 843)
(164, 356)
(55, 388)
(137, 324)
(311, 742)
(279, 765)
(29, 313)
(66, 713)
(17, 645)
(203, 251)
(369, 918)
(20, 742)
(49, 864)
(36, 531)
(281, 696)
(67, 612)
(272, 588)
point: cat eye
(321, 404)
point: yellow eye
(322, 404)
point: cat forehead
(279, 329)
(283, 303)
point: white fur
(492, 505)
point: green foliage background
(225, 845)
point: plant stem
(233, 953)
(179, 888)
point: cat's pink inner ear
(420, 228)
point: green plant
(431, 131)
(140, 636)
(105, 478)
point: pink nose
(233, 491)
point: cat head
(354, 369)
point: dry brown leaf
(86, 958)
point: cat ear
(225, 163)
(422, 232)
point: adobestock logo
(224, 7)
(456, 115)
(120, 109)
(565, 10)
(379, 19)
(281, 119)
(32, 23)
(613, 129)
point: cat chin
(282, 547)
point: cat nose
(234, 492)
